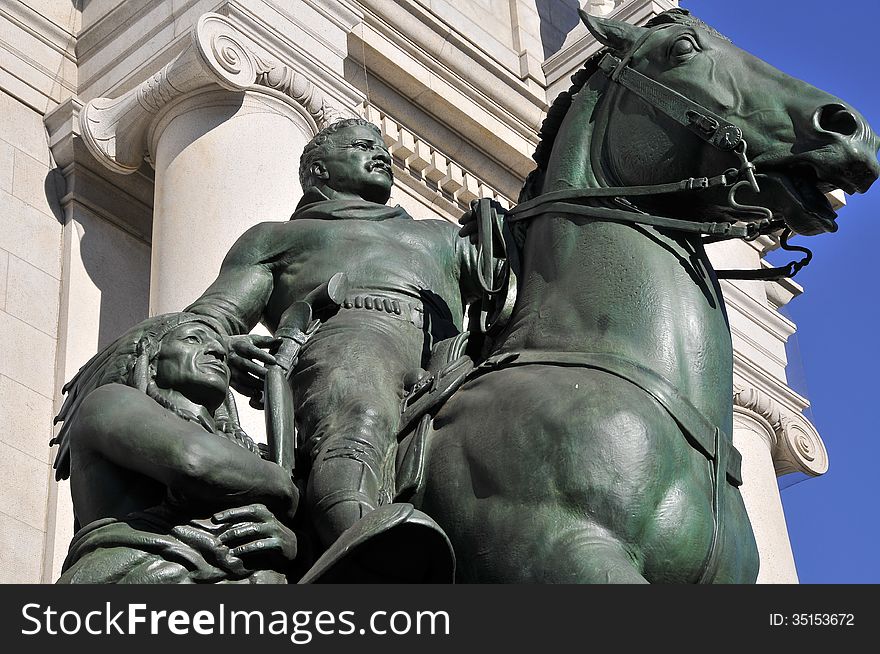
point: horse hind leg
(590, 555)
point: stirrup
(396, 543)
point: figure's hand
(257, 537)
(469, 221)
(249, 354)
(211, 547)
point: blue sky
(832, 520)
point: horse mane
(550, 126)
(534, 183)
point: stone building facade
(140, 138)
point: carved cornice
(421, 60)
(115, 130)
(580, 44)
(602, 7)
(125, 201)
(798, 446)
(275, 75)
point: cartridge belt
(398, 309)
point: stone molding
(765, 331)
(125, 201)
(602, 7)
(37, 58)
(115, 130)
(431, 40)
(278, 49)
(429, 64)
(438, 173)
(797, 446)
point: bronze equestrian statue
(590, 439)
(594, 445)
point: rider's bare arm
(129, 429)
(239, 295)
(237, 299)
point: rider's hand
(257, 537)
(249, 354)
(469, 220)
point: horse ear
(615, 34)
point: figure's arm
(241, 291)
(131, 430)
(237, 299)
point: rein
(709, 127)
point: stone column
(224, 162)
(773, 441)
(223, 124)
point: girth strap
(709, 439)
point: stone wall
(37, 70)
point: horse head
(717, 108)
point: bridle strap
(726, 179)
(707, 125)
(719, 231)
(773, 274)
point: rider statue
(410, 283)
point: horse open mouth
(807, 204)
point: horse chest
(634, 293)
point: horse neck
(632, 291)
(568, 166)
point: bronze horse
(594, 446)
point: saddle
(448, 370)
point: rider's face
(356, 162)
(192, 360)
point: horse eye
(683, 47)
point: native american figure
(166, 486)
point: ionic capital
(796, 446)
(115, 130)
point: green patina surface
(592, 443)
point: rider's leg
(347, 469)
(348, 390)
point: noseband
(713, 130)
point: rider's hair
(315, 148)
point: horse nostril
(837, 119)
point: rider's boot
(342, 490)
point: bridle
(712, 129)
